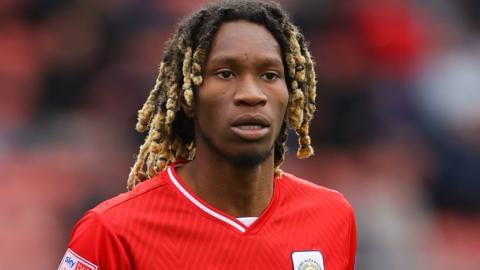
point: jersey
(161, 224)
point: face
(240, 107)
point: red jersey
(161, 224)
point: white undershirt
(247, 221)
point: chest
(202, 243)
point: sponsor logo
(307, 260)
(72, 261)
(81, 266)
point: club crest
(307, 260)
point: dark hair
(171, 133)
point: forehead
(243, 37)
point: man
(234, 77)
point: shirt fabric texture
(161, 224)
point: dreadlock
(171, 133)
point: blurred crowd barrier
(397, 128)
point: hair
(171, 134)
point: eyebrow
(236, 61)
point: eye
(270, 76)
(225, 74)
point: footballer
(207, 190)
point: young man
(234, 77)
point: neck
(239, 192)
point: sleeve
(352, 245)
(94, 245)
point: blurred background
(397, 128)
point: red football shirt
(163, 225)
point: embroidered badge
(307, 260)
(72, 261)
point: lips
(250, 120)
(250, 127)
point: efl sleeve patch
(72, 261)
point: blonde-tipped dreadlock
(301, 109)
(145, 113)
(171, 135)
(187, 80)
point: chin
(247, 161)
(239, 154)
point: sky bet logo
(69, 261)
(72, 261)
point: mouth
(250, 127)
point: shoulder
(140, 198)
(296, 184)
(306, 193)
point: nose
(249, 93)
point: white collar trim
(201, 205)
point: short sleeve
(94, 245)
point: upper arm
(95, 243)
(352, 245)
